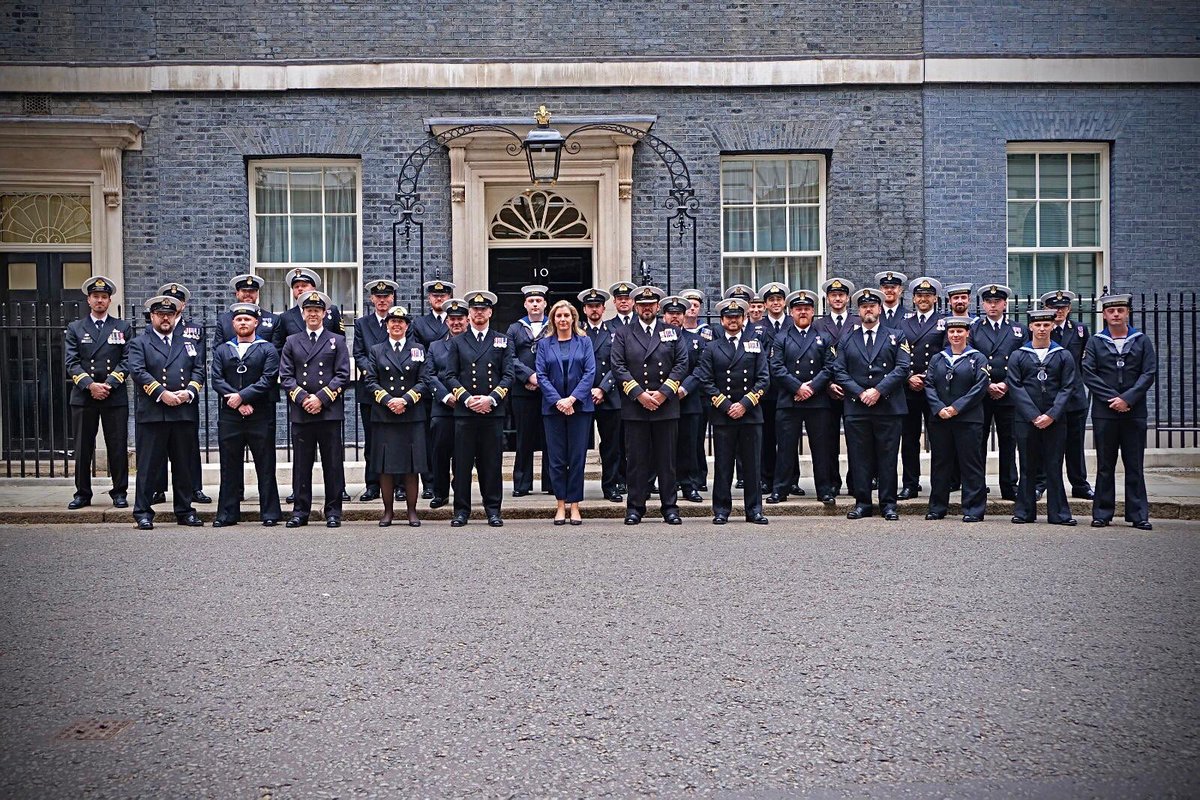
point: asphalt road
(809, 658)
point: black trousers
(369, 475)
(441, 454)
(910, 439)
(702, 437)
(160, 444)
(1002, 415)
(527, 417)
(873, 443)
(1126, 436)
(691, 437)
(1076, 422)
(234, 437)
(790, 423)
(767, 440)
(612, 457)
(478, 444)
(194, 469)
(1041, 450)
(650, 450)
(955, 456)
(835, 451)
(87, 420)
(733, 443)
(307, 439)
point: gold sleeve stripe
(628, 386)
(332, 394)
(77, 378)
(120, 376)
(718, 400)
(379, 395)
(503, 392)
(293, 394)
(459, 392)
(196, 384)
(754, 397)
(673, 385)
(415, 395)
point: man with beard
(833, 325)
(925, 331)
(606, 401)
(691, 403)
(441, 426)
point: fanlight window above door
(538, 215)
(47, 218)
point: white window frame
(1103, 277)
(822, 204)
(275, 270)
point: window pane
(1021, 180)
(1053, 225)
(1051, 272)
(806, 183)
(1085, 224)
(772, 228)
(1020, 273)
(339, 239)
(1082, 277)
(739, 230)
(739, 270)
(803, 272)
(768, 270)
(270, 191)
(737, 182)
(306, 239)
(1085, 175)
(1053, 183)
(272, 239)
(339, 191)
(1022, 231)
(805, 230)
(306, 191)
(770, 181)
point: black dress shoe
(220, 523)
(614, 497)
(438, 502)
(385, 521)
(191, 521)
(345, 496)
(1019, 520)
(333, 522)
(758, 519)
(1143, 525)
(704, 487)
(860, 511)
(1037, 496)
(673, 518)
(120, 501)
(427, 494)
(1069, 522)
(720, 519)
(161, 497)
(739, 484)
(907, 493)
(890, 515)
(458, 521)
(1099, 523)
(774, 498)
(560, 521)
(270, 523)
(654, 488)
(970, 518)
(400, 494)
(1083, 494)
(295, 522)
(495, 521)
(633, 518)
(291, 498)
(763, 486)
(520, 492)
(201, 497)
(828, 499)
(372, 493)
(623, 489)
(692, 496)
(796, 490)
(932, 516)
(145, 525)
(77, 503)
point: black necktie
(312, 335)
(383, 324)
(167, 341)
(870, 339)
(889, 315)
(839, 320)
(398, 344)
(803, 334)
(479, 336)
(99, 324)
(733, 342)
(778, 325)
(649, 330)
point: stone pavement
(809, 659)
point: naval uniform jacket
(1074, 337)
(961, 384)
(436, 354)
(885, 369)
(1129, 373)
(694, 344)
(834, 332)
(321, 369)
(367, 333)
(155, 370)
(998, 347)
(524, 345)
(479, 368)
(98, 354)
(898, 314)
(390, 374)
(644, 362)
(1041, 387)
(735, 376)
(428, 329)
(797, 359)
(225, 332)
(253, 377)
(292, 321)
(923, 340)
(602, 339)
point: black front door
(566, 271)
(35, 308)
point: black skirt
(398, 448)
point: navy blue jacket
(524, 345)
(576, 381)
(292, 321)
(602, 339)
(437, 354)
(694, 343)
(1041, 387)
(390, 374)
(1130, 374)
(735, 376)
(998, 347)
(367, 333)
(156, 370)
(962, 384)
(427, 329)
(98, 354)
(321, 369)
(1074, 336)
(256, 384)
(884, 369)
(479, 368)
(224, 329)
(654, 362)
(796, 360)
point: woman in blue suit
(566, 366)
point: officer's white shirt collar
(392, 343)
(873, 328)
(802, 330)
(309, 332)
(380, 319)
(477, 332)
(98, 320)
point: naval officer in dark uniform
(1073, 335)
(837, 320)
(525, 334)
(168, 374)
(649, 363)
(1041, 379)
(606, 400)
(95, 351)
(998, 338)
(735, 375)
(245, 376)
(801, 358)
(427, 329)
(303, 282)
(314, 371)
(891, 286)
(955, 382)
(692, 414)
(442, 403)
(246, 289)
(925, 331)
(871, 367)
(369, 330)
(479, 373)
(1120, 367)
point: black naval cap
(382, 288)
(163, 304)
(868, 295)
(994, 291)
(675, 305)
(890, 278)
(455, 307)
(176, 290)
(98, 283)
(622, 289)
(732, 307)
(398, 312)
(593, 295)
(246, 309)
(481, 299)
(248, 281)
(315, 300)
(1042, 315)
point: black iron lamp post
(543, 149)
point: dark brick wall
(236, 30)
(1062, 27)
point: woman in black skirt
(397, 381)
